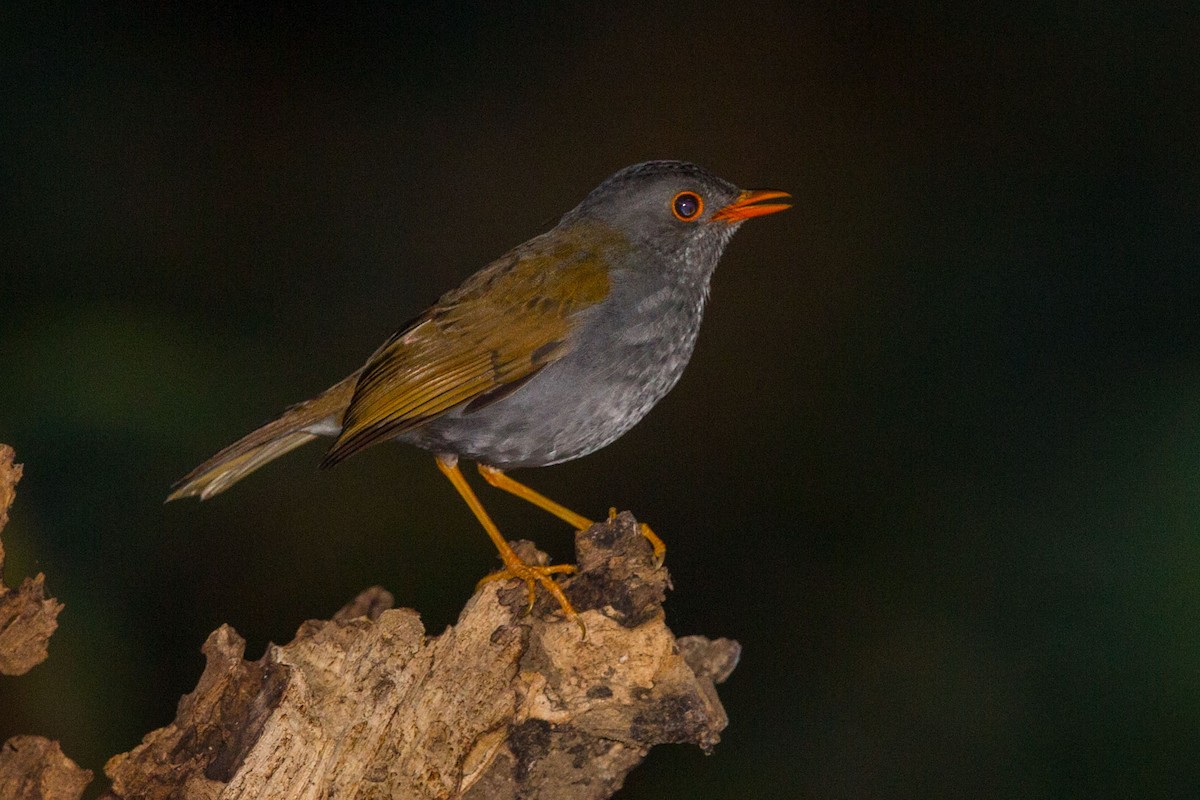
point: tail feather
(206, 481)
(298, 425)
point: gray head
(679, 210)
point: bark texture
(31, 767)
(500, 705)
(503, 704)
(27, 616)
(34, 768)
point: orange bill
(750, 204)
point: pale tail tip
(199, 491)
(178, 494)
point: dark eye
(687, 206)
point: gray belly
(625, 358)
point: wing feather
(504, 324)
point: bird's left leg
(500, 480)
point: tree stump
(506, 703)
(503, 704)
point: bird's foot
(533, 574)
(657, 544)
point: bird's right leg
(514, 567)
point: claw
(514, 567)
(660, 549)
(532, 575)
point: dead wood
(503, 704)
(34, 768)
(30, 766)
(27, 616)
(500, 705)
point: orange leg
(500, 480)
(514, 567)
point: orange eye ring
(687, 206)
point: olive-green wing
(476, 343)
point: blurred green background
(936, 463)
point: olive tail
(299, 425)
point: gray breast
(627, 353)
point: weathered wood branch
(503, 704)
(27, 616)
(34, 768)
(30, 766)
(500, 705)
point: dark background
(935, 463)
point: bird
(549, 353)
